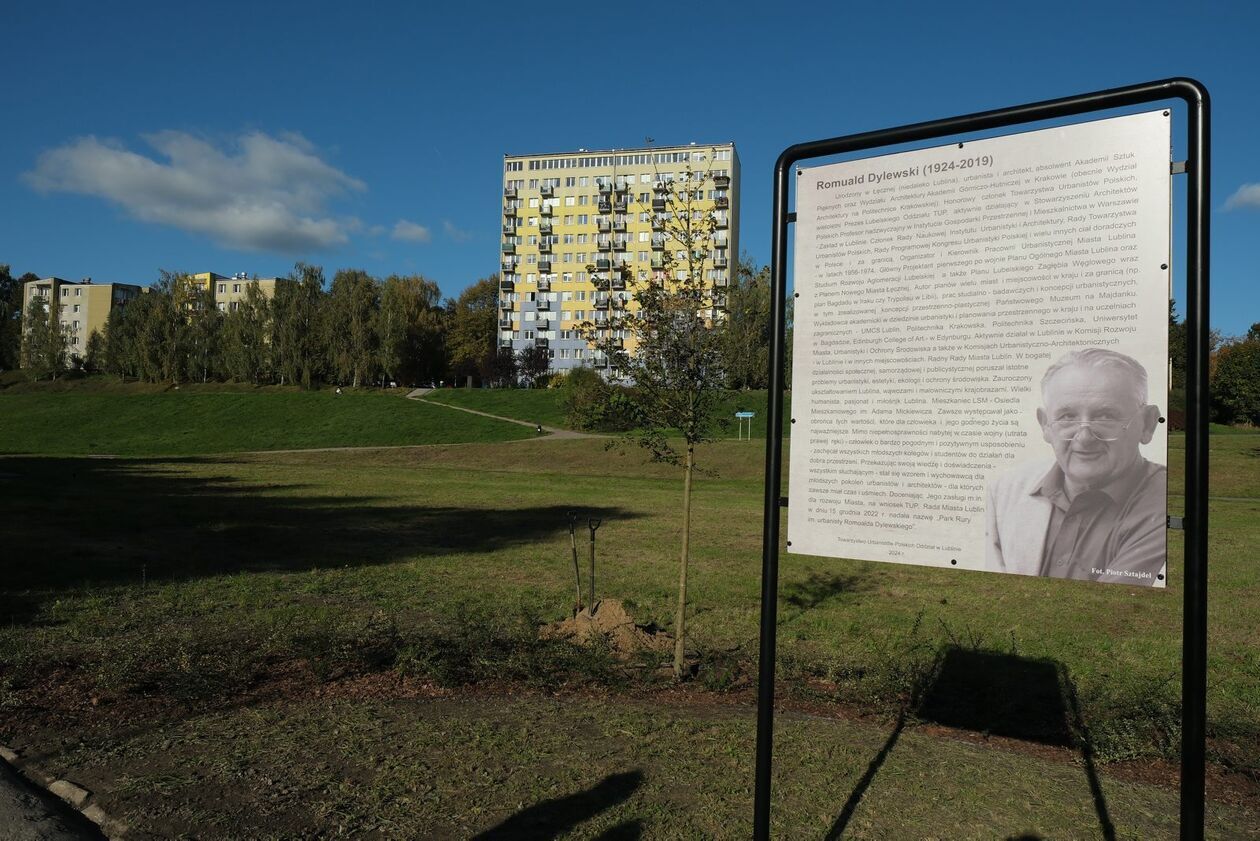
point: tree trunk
(680, 618)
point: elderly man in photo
(1098, 512)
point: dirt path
(552, 432)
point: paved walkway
(28, 813)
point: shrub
(592, 404)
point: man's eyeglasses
(1103, 430)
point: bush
(593, 405)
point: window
(78, 293)
(76, 306)
(65, 293)
(584, 181)
(645, 236)
(583, 219)
(645, 178)
(570, 181)
(568, 220)
(643, 255)
(583, 200)
(222, 306)
(222, 288)
(568, 201)
(75, 324)
(533, 202)
(567, 257)
(581, 295)
(579, 315)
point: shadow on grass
(552, 818)
(1002, 695)
(80, 521)
(819, 588)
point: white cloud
(455, 233)
(263, 194)
(410, 231)
(1248, 195)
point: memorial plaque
(980, 357)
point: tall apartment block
(575, 222)
(83, 307)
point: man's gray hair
(1098, 358)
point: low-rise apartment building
(83, 307)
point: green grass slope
(189, 421)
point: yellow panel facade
(83, 308)
(565, 212)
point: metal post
(1194, 617)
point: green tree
(45, 345)
(298, 339)
(745, 332)
(1236, 380)
(246, 345)
(11, 317)
(94, 353)
(1176, 347)
(350, 314)
(410, 327)
(473, 326)
(204, 323)
(532, 363)
(676, 367)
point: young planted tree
(676, 358)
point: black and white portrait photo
(1094, 508)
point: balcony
(540, 342)
(658, 205)
(605, 187)
(658, 244)
(545, 210)
(542, 325)
(601, 303)
(544, 246)
(544, 284)
(619, 226)
(506, 285)
(604, 206)
(544, 228)
(544, 266)
(619, 245)
(617, 303)
(621, 206)
(509, 192)
(604, 226)
(722, 202)
(720, 221)
(509, 230)
(603, 264)
(720, 282)
(509, 211)
(543, 306)
(721, 181)
(618, 283)
(658, 223)
(719, 302)
(508, 266)
(719, 262)
(547, 192)
(506, 344)
(505, 324)
(509, 248)
(660, 187)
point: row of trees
(1233, 371)
(355, 330)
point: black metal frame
(1194, 630)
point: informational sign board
(936, 289)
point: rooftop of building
(623, 150)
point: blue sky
(242, 137)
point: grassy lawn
(95, 418)
(329, 642)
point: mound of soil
(611, 622)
